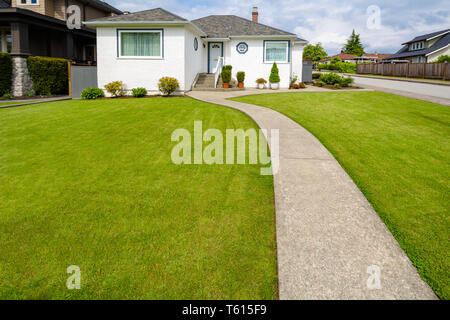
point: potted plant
(240, 78)
(226, 77)
(261, 83)
(274, 78)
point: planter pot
(226, 85)
(261, 85)
(274, 86)
(241, 85)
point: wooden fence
(411, 70)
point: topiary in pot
(226, 77)
(274, 78)
(240, 78)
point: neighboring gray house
(425, 48)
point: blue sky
(327, 21)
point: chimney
(255, 14)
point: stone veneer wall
(21, 80)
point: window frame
(28, 3)
(161, 43)
(288, 51)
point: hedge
(49, 75)
(5, 73)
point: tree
(314, 52)
(354, 45)
(444, 58)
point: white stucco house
(140, 48)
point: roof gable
(153, 15)
(224, 26)
(427, 36)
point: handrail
(218, 71)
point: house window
(141, 43)
(29, 2)
(276, 51)
(417, 46)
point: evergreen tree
(274, 76)
(354, 45)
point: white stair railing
(218, 71)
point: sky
(383, 25)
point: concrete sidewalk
(328, 235)
(26, 102)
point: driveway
(436, 93)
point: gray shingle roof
(5, 4)
(152, 15)
(426, 36)
(403, 52)
(216, 26)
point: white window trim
(275, 41)
(160, 57)
(19, 2)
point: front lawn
(91, 183)
(397, 150)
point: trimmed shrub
(332, 79)
(5, 73)
(227, 67)
(240, 76)
(337, 65)
(92, 93)
(115, 88)
(261, 81)
(274, 76)
(226, 75)
(139, 92)
(347, 81)
(49, 75)
(7, 96)
(168, 85)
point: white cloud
(325, 21)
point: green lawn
(397, 150)
(91, 183)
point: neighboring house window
(140, 43)
(29, 2)
(276, 51)
(417, 46)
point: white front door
(215, 52)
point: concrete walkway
(328, 235)
(26, 102)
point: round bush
(116, 88)
(167, 85)
(139, 92)
(92, 93)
